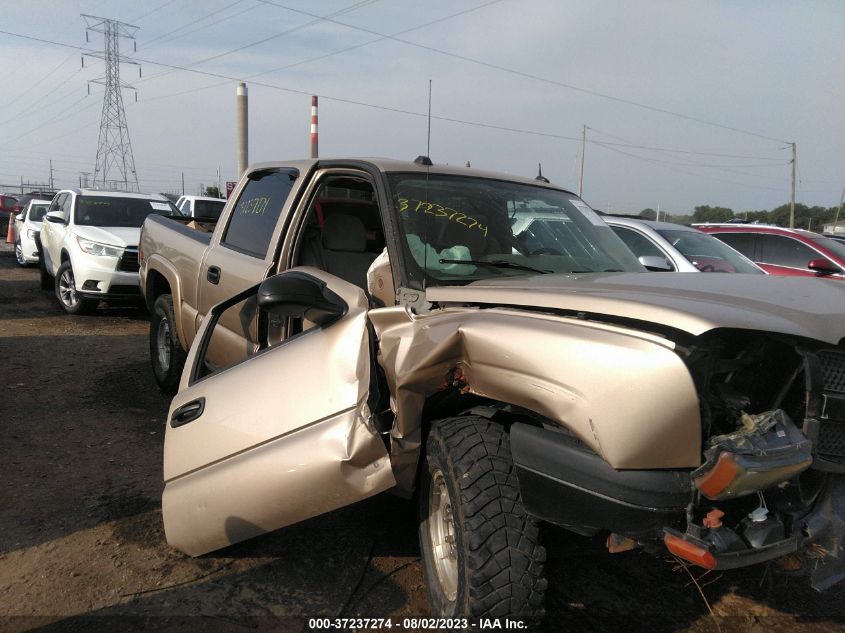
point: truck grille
(831, 439)
(833, 366)
(831, 442)
(129, 261)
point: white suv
(27, 226)
(89, 244)
(201, 206)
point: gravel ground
(82, 546)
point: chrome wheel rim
(67, 289)
(19, 253)
(163, 344)
(441, 532)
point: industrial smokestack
(242, 128)
(314, 152)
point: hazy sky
(773, 70)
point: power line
(151, 11)
(535, 77)
(633, 145)
(666, 165)
(397, 110)
(185, 26)
(352, 7)
(324, 56)
(38, 83)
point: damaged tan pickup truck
(354, 326)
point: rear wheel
(166, 353)
(66, 292)
(480, 549)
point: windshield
(506, 228)
(707, 253)
(118, 211)
(833, 245)
(37, 211)
(208, 208)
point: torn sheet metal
(606, 384)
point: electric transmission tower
(115, 164)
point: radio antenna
(428, 140)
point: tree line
(811, 218)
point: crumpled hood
(113, 236)
(694, 303)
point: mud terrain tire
(166, 353)
(490, 558)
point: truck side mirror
(55, 217)
(823, 266)
(296, 294)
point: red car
(781, 251)
(7, 204)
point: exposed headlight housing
(95, 248)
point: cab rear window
(257, 211)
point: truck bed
(180, 241)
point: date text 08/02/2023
(416, 624)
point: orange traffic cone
(10, 236)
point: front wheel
(19, 256)
(166, 353)
(481, 551)
(66, 292)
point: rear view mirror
(655, 263)
(823, 266)
(299, 295)
(55, 217)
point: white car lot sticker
(160, 206)
(591, 215)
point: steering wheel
(707, 268)
(545, 251)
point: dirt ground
(82, 546)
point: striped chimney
(314, 152)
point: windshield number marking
(438, 210)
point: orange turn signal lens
(689, 551)
(717, 479)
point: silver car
(663, 246)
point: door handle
(187, 412)
(213, 274)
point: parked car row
(781, 251)
(86, 242)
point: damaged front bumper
(716, 516)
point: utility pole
(218, 181)
(51, 175)
(658, 212)
(114, 149)
(183, 183)
(583, 147)
(792, 199)
(836, 219)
